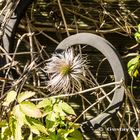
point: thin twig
(99, 100)
(63, 17)
(88, 90)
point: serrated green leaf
(38, 125)
(58, 110)
(44, 103)
(34, 130)
(47, 110)
(50, 125)
(19, 115)
(52, 116)
(51, 121)
(25, 95)
(41, 128)
(11, 96)
(30, 109)
(67, 108)
(28, 122)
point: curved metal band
(114, 59)
(11, 25)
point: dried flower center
(65, 69)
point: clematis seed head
(66, 72)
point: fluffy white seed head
(66, 72)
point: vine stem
(99, 100)
(63, 17)
(84, 91)
(90, 89)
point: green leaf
(34, 130)
(137, 37)
(25, 95)
(19, 115)
(30, 136)
(133, 61)
(30, 109)
(54, 136)
(51, 121)
(41, 138)
(67, 108)
(76, 135)
(137, 34)
(64, 132)
(47, 110)
(59, 110)
(37, 124)
(3, 123)
(11, 96)
(18, 133)
(70, 138)
(52, 116)
(136, 73)
(44, 103)
(133, 66)
(50, 125)
(12, 125)
(5, 133)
